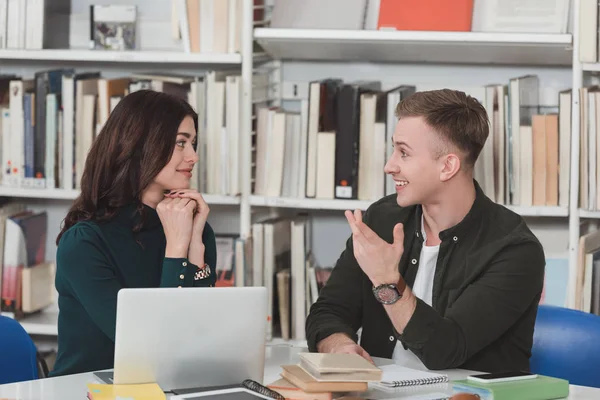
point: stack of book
(317, 376)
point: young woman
(136, 224)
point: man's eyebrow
(401, 143)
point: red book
(425, 15)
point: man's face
(413, 164)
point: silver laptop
(190, 337)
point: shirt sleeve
(83, 264)
(180, 272)
(483, 311)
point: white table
(73, 387)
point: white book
(325, 165)
(302, 149)
(378, 161)
(525, 140)
(368, 102)
(257, 254)
(299, 244)
(233, 87)
(591, 149)
(68, 132)
(13, 25)
(275, 154)
(51, 133)
(6, 144)
(3, 22)
(588, 31)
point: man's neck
(451, 207)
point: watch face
(387, 294)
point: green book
(540, 388)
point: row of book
(212, 26)
(587, 281)
(337, 145)
(26, 277)
(48, 124)
(589, 148)
(28, 24)
(415, 15)
(282, 261)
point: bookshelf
(401, 57)
(329, 51)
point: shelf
(337, 204)
(312, 204)
(416, 46)
(589, 214)
(41, 323)
(540, 211)
(65, 194)
(591, 67)
(158, 57)
(54, 194)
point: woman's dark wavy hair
(134, 145)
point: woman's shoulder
(77, 235)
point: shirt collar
(456, 232)
(130, 216)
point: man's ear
(450, 167)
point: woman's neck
(152, 196)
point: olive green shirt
(94, 261)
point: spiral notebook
(398, 376)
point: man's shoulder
(505, 228)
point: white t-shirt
(422, 288)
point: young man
(437, 271)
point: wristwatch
(389, 293)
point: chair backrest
(18, 360)
(566, 344)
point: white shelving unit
(548, 50)
(45, 322)
(448, 48)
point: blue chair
(566, 344)
(18, 354)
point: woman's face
(178, 172)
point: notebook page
(397, 375)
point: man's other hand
(340, 343)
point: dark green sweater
(94, 261)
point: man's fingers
(398, 235)
(364, 228)
(352, 222)
(363, 353)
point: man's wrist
(388, 279)
(332, 341)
